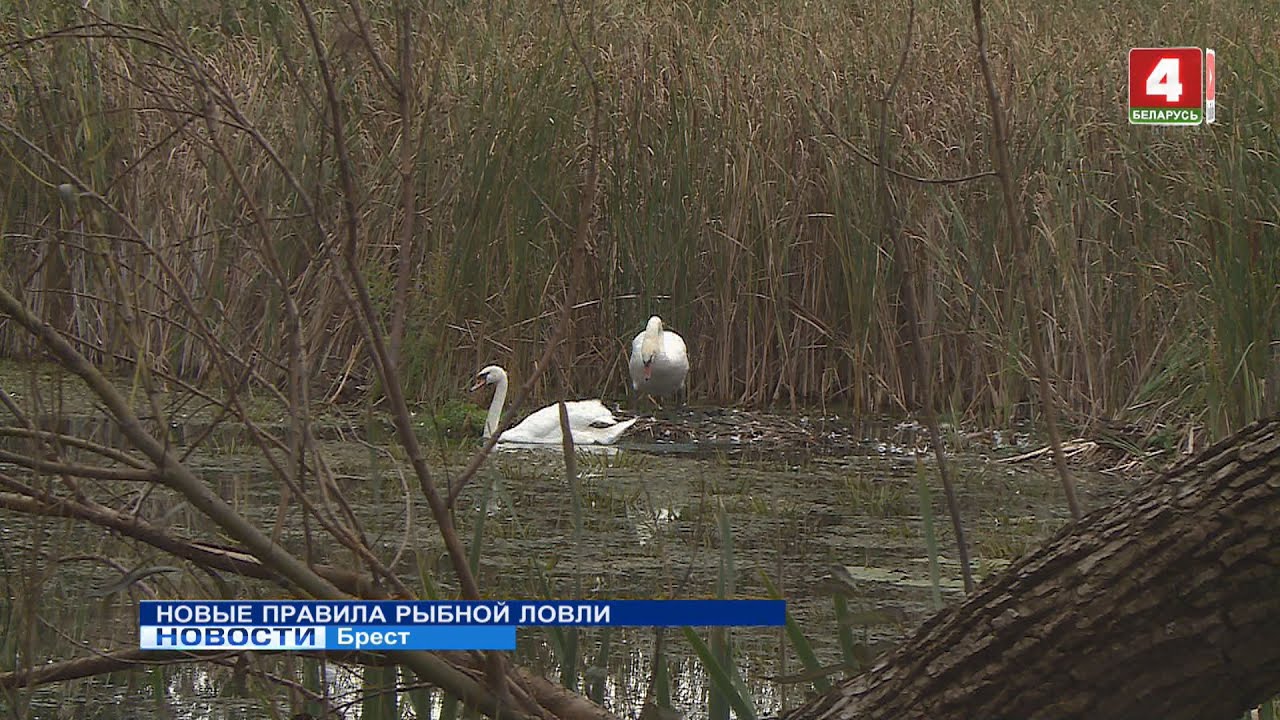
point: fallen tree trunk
(1165, 604)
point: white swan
(659, 363)
(590, 422)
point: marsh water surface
(843, 504)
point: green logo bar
(1166, 116)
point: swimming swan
(590, 422)
(658, 361)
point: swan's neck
(651, 345)
(495, 408)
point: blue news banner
(416, 625)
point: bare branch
(1022, 246)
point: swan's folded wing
(602, 436)
(542, 426)
(673, 347)
(588, 412)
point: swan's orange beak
(479, 383)
(648, 370)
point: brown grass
(725, 204)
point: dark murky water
(800, 496)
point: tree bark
(1165, 604)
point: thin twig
(902, 258)
(826, 122)
(497, 701)
(1022, 248)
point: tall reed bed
(726, 204)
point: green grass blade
(569, 660)
(419, 697)
(723, 679)
(599, 672)
(727, 579)
(311, 680)
(449, 707)
(564, 640)
(803, 649)
(718, 701)
(158, 684)
(380, 698)
(477, 535)
(430, 591)
(844, 632)
(930, 537)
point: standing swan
(658, 361)
(590, 422)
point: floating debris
(712, 430)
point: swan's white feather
(590, 422)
